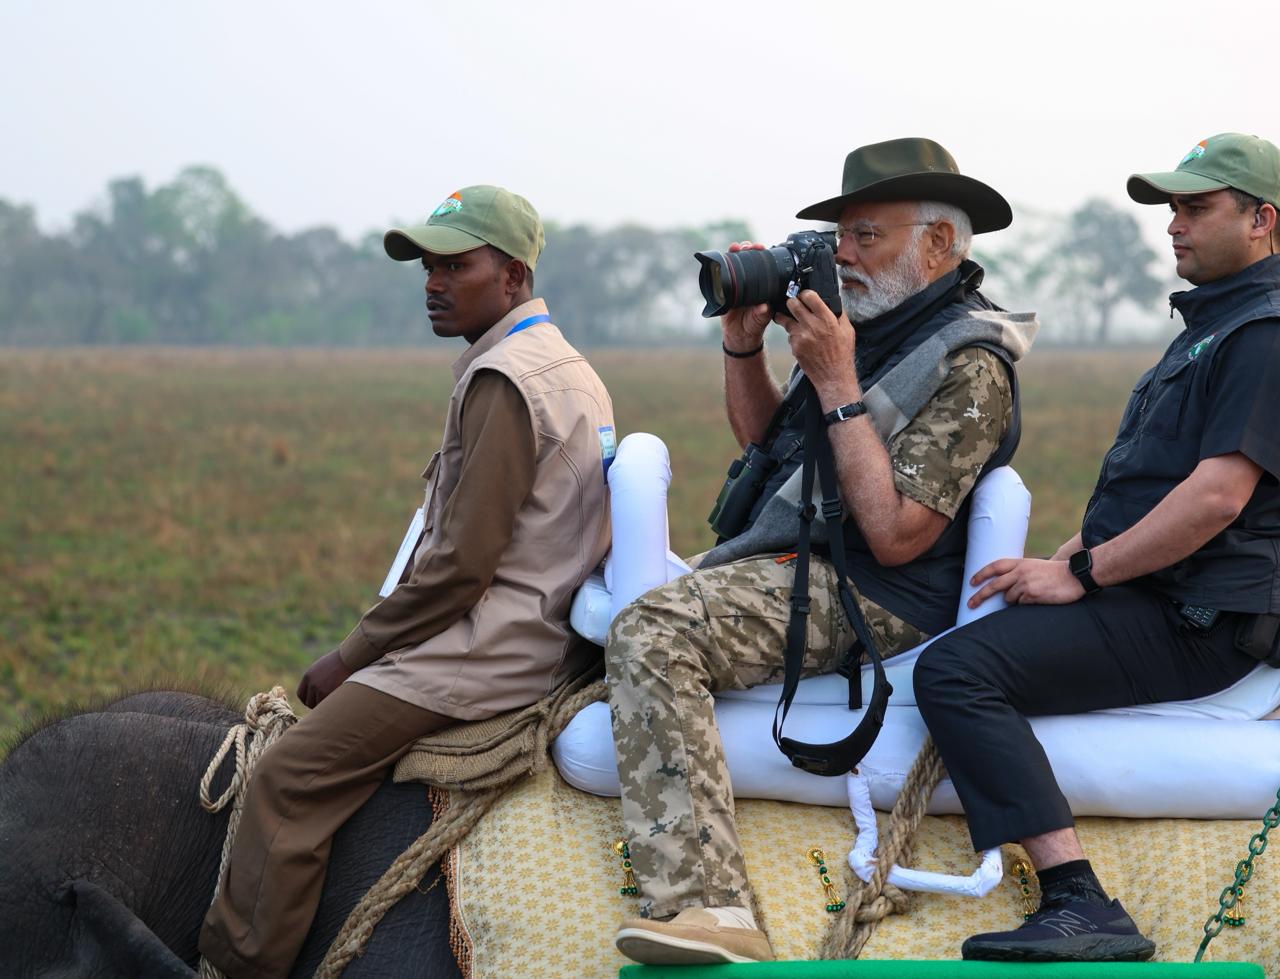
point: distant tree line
(1078, 273)
(189, 263)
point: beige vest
(513, 647)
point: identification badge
(407, 546)
(608, 446)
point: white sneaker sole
(651, 948)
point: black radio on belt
(1259, 636)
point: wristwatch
(1081, 565)
(845, 412)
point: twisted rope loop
(871, 902)
(266, 717)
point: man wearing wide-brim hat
(473, 616)
(915, 382)
(1171, 589)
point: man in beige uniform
(515, 518)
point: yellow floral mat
(535, 884)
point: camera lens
(729, 280)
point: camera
(806, 260)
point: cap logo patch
(451, 204)
(1198, 349)
(1196, 152)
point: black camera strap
(838, 757)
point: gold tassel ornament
(819, 860)
(629, 888)
(1022, 872)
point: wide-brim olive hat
(1234, 160)
(913, 169)
(469, 218)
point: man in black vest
(905, 461)
(1172, 587)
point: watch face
(1080, 562)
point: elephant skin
(108, 862)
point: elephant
(108, 862)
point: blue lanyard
(531, 321)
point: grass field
(224, 517)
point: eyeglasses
(866, 235)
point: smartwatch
(1081, 565)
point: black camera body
(806, 260)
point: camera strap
(838, 757)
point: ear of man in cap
(470, 218)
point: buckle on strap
(832, 511)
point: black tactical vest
(1157, 447)
(926, 591)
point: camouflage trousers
(717, 629)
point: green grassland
(223, 517)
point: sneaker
(1069, 931)
(696, 936)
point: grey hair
(934, 211)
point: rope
(266, 717)
(465, 810)
(871, 902)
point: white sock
(734, 917)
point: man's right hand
(744, 326)
(322, 678)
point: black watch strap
(845, 412)
(1081, 564)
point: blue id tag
(608, 446)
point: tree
(1101, 258)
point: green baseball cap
(1235, 160)
(469, 218)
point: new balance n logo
(1067, 923)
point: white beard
(884, 292)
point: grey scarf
(891, 404)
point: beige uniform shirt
(475, 527)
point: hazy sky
(354, 114)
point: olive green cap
(913, 169)
(469, 218)
(1235, 160)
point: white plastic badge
(407, 547)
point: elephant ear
(104, 929)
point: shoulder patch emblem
(1198, 349)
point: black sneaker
(1070, 931)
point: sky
(360, 115)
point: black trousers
(976, 686)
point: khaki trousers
(667, 653)
(305, 787)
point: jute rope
(871, 902)
(267, 716)
(465, 810)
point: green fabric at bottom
(904, 969)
